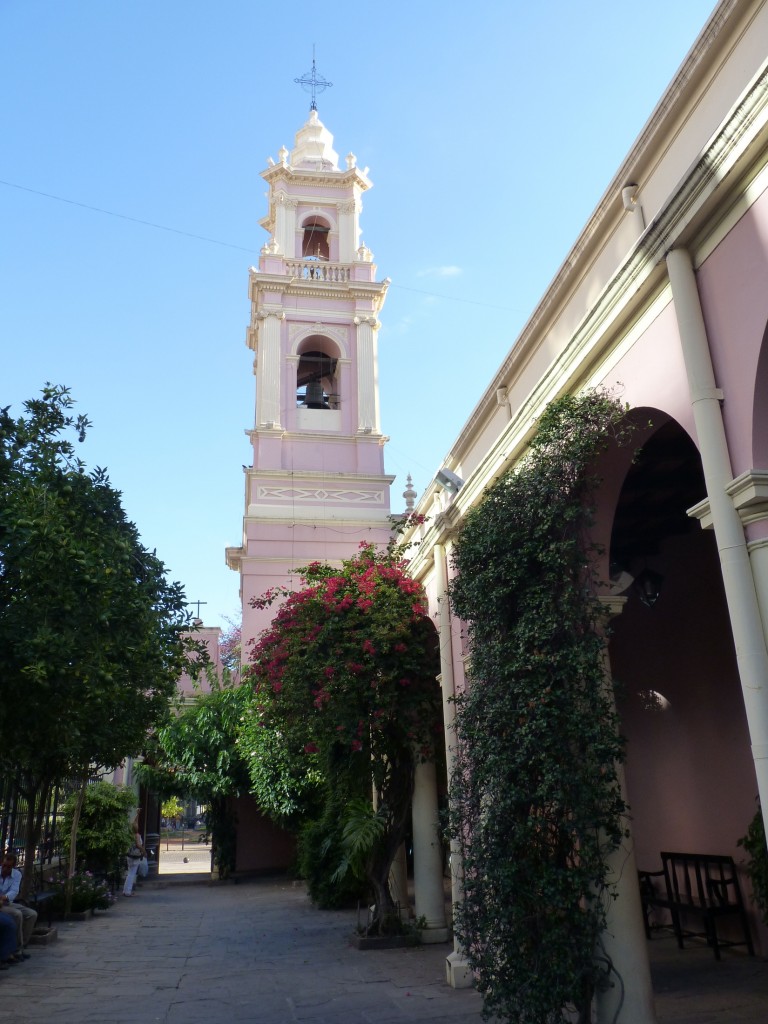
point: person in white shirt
(24, 917)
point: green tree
(345, 677)
(536, 800)
(196, 753)
(172, 807)
(90, 629)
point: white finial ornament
(409, 494)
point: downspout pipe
(738, 581)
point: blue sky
(166, 112)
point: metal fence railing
(20, 807)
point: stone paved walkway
(258, 951)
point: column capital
(370, 320)
(262, 314)
(613, 604)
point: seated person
(24, 917)
(8, 941)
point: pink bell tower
(316, 488)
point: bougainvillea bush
(345, 679)
(536, 799)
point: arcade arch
(690, 779)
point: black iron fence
(21, 806)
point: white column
(427, 855)
(347, 231)
(629, 999)
(281, 234)
(746, 624)
(367, 375)
(285, 225)
(268, 370)
(457, 970)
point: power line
(124, 216)
(229, 245)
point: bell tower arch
(316, 487)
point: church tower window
(314, 243)
(316, 379)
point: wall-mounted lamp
(448, 481)
(647, 586)
(652, 700)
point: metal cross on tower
(313, 82)
(198, 603)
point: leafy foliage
(103, 832)
(754, 843)
(172, 807)
(536, 801)
(345, 678)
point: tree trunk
(37, 798)
(396, 794)
(72, 864)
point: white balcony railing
(317, 270)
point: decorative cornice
(350, 178)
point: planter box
(42, 936)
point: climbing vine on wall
(536, 801)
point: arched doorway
(690, 776)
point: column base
(458, 973)
(431, 936)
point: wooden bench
(697, 885)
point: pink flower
(311, 748)
(368, 647)
(357, 745)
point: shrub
(103, 834)
(757, 865)
(88, 893)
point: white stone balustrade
(317, 270)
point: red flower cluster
(349, 656)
